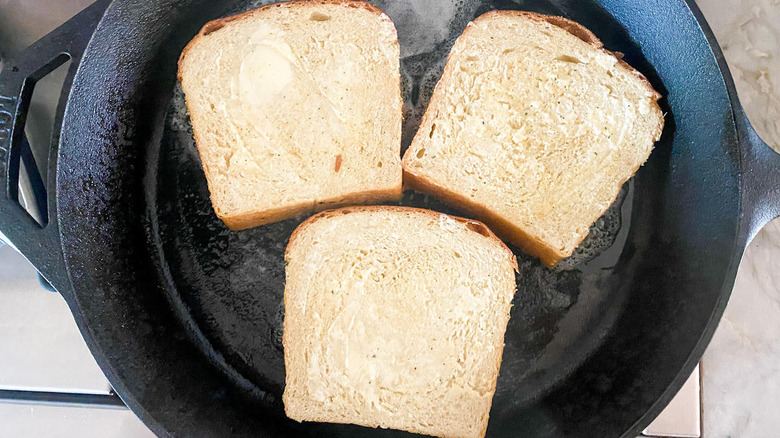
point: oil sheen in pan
(232, 287)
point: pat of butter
(265, 72)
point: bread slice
(533, 128)
(295, 107)
(395, 317)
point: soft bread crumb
(533, 128)
(395, 318)
(276, 93)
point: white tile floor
(682, 417)
(41, 421)
(41, 349)
(40, 344)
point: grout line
(701, 398)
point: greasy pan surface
(185, 315)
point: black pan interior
(591, 345)
(232, 283)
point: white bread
(533, 128)
(395, 318)
(295, 107)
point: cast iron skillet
(184, 315)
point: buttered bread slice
(295, 107)
(395, 318)
(533, 128)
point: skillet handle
(37, 240)
(760, 178)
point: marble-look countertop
(741, 368)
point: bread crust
(503, 227)
(549, 255)
(219, 23)
(477, 226)
(256, 218)
(580, 32)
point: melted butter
(267, 69)
(276, 77)
(271, 68)
(369, 351)
(265, 72)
